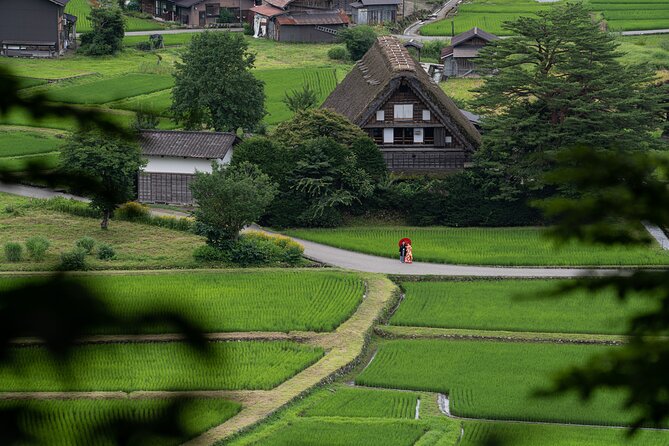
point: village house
(299, 20)
(374, 12)
(197, 13)
(459, 58)
(415, 125)
(174, 157)
(36, 28)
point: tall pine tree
(559, 82)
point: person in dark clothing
(403, 251)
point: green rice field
(233, 300)
(19, 146)
(74, 422)
(160, 366)
(365, 403)
(513, 305)
(524, 246)
(478, 432)
(110, 89)
(620, 15)
(82, 9)
(494, 380)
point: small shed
(459, 58)
(312, 25)
(173, 159)
(374, 12)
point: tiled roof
(379, 2)
(210, 145)
(60, 2)
(279, 3)
(445, 52)
(378, 74)
(267, 10)
(314, 17)
(474, 32)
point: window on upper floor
(426, 115)
(403, 111)
(381, 115)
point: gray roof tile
(209, 145)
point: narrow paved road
(180, 31)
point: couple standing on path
(406, 251)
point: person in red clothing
(408, 256)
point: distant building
(298, 20)
(459, 58)
(174, 157)
(415, 125)
(36, 28)
(374, 12)
(197, 13)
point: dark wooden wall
(30, 20)
(170, 188)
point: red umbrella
(405, 240)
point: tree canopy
(558, 83)
(108, 31)
(358, 40)
(214, 86)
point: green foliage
(257, 249)
(106, 251)
(358, 40)
(555, 90)
(495, 380)
(13, 252)
(338, 53)
(132, 211)
(162, 366)
(106, 36)
(317, 123)
(230, 198)
(214, 86)
(210, 254)
(144, 46)
(483, 246)
(86, 244)
(363, 403)
(226, 16)
(37, 246)
(113, 161)
(298, 100)
(74, 260)
(514, 305)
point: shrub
(256, 249)
(357, 39)
(208, 253)
(13, 252)
(86, 244)
(144, 46)
(248, 30)
(338, 53)
(74, 260)
(106, 252)
(132, 211)
(37, 247)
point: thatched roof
(376, 77)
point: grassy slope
(137, 246)
(72, 422)
(480, 246)
(514, 305)
(233, 300)
(493, 380)
(161, 366)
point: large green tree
(114, 161)
(108, 31)
(230, 198)
(358, 40)
(214, 86)
(558, 82)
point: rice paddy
(514, 305)
(233, 300)
(77, 422)
(494, 380)
(522, 246)
(110, 89)
(82, 9)
(365, 403)
(159, 366)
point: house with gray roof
(197, 13)
(36, 28)
(374, 12)
(459, 58)
(173, 158)
(416, 126)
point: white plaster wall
(182, 165)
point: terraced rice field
(82, 9)
(513, 305)
(477, 433)
(494, 380)
(110, 89)
(620, 15)
(365, 403)
(160, 366)
(19, 147)
(74, 422)
(234, 300)
(481, 246)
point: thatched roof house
(415, 124)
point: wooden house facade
(36, 28)
(173, 158)
(459, 58)
(415, 125)
(313, 21)
(374, 12)
(197, 13)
